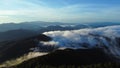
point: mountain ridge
(68, 57)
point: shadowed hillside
(68, 57)
(16, 49)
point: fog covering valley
(33, 39)
(107, 38)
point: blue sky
(73, 11)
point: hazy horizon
(68, 11)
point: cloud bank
(63, 38)
(103, 37)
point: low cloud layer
(104, 37)
(74, 37)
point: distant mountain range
(37, 25)
(13, 31)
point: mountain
(34, 25)
(89, 45)
(103, 24)
(37, 25)
(12, 31)
(14, 49)
(62, 27)
(66, 57)
(18, 34)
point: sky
(68, 11)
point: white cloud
(103, 37)
(75, 37)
